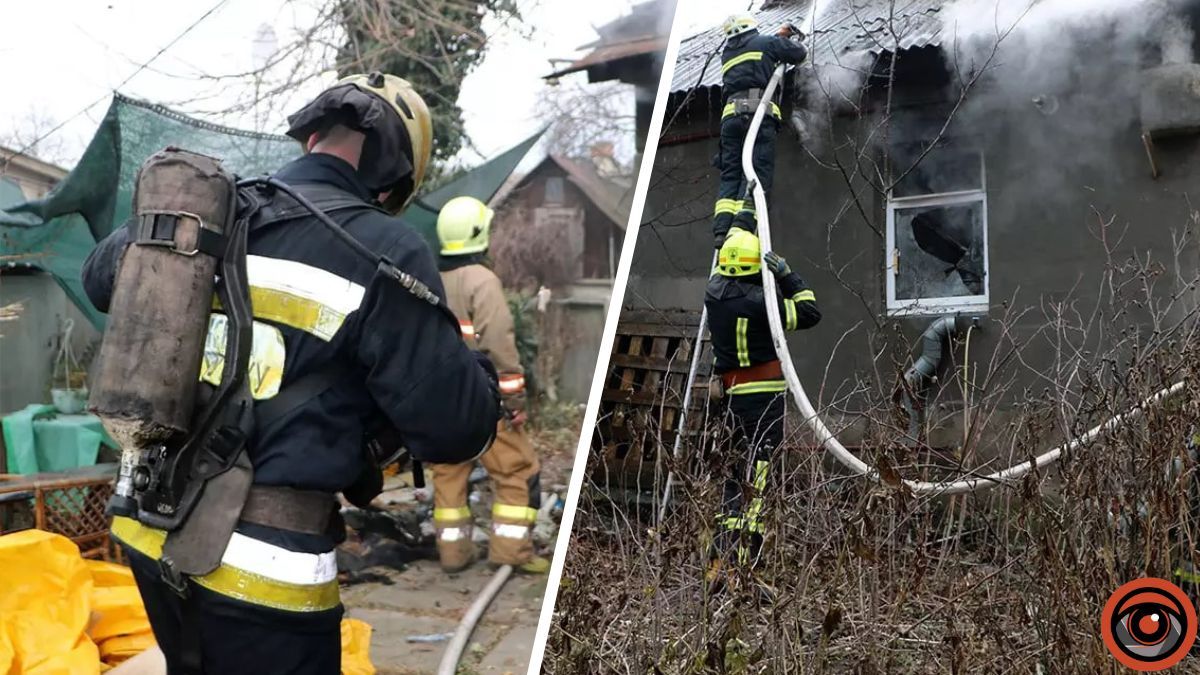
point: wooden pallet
(70, 503)
(643, 394)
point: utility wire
(135, 73)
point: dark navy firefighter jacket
(749, 59)
(737, 318)
(317, 304)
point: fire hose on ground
(822, 432)
(458, 644)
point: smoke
(829, 83)
(1058, 80)
(1043, 39)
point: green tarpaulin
(38, 439)
(57, 232)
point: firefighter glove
(787, 30)
(776, 264)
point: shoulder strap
(304, 389)
(281, 207)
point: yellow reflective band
(303, 314)
(746, 205)
(259, 590)
(751, 522)
(453, 245)
(743, 554)
(512, 384)
(304, 297)
(267, 356)
(754, 516)
(231, 581)
(454, 514)
(789, 307)
(1186, 576)
(760, 475)
(731, 108)
(519, 513)
(145, 540)
(743, 349)
(763, 387)
(805, 296)
(725, 206)
(740, 59)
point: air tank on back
(144, 389)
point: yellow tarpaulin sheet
(61, 614)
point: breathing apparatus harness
(163, 488)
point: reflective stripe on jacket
(317, 304)
(737, 319)
(749, 59)
(252, 571)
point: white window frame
(963, 304)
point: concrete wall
(570, 339)
(29, 344)
(1051, 180)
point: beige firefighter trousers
(512, 463)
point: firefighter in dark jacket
(747, 63)
(272, 605)
(751, 379)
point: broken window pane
(940, 251)
(945, 169)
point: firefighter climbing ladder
(813, 420)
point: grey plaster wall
(1052, 180)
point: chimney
(603, 158)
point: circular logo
(1148, 624)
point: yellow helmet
(741, 254)
(463, 226)
(396, 156)
(739, 23)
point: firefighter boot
(452, 516)
(513, 466)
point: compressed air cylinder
(144, 388)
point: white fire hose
(458, 644)
(822, 432)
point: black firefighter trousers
(734, 206)
(237, 638)
(755, 423)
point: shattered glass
(940, 251)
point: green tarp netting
(57, 232)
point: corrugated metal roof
(844, 27)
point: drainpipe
(933, 342)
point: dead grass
(874, 579)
